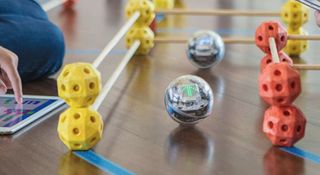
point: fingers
(5, 79)
(15, 80)
(3, 88)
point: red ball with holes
(279, 84)
(284, 126)
(70, 3)
(268, 59)
(271, 29)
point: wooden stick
(52, 4)
(221, 12)
(107, 87)
(234, 40)
(116, 39)
(227, 40)
(304, 37)
(307, 66)
(274, 50)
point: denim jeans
(26, 30)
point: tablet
(315, 4)
(14, 117)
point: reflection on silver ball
(205, 49)
(188, 99)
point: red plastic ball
(271, 29)
(268, 59)
(279, 84)
(284, 126)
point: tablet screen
(12, 113)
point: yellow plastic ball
(294, 14)
(79, 84)
(80, 128)
(144, 35)
(164, 4)
(296, 47)
(146, 9)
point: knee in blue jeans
(46, 57)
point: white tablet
(14, 117)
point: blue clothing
(26, 30)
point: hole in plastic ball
(299, 128)
(280, 100)
(284, 128)
(86, 70)
(75, 131)
(265, 87)
(92, 119)
(270, 124)
(269, 61)
(93, 139)
(277, 73)
(293, 85)
(63, 87)
(279, 87)
(76, 116)
(270, 28)
(286, 113)
(76, 88)
(91, 85)
(283, 140)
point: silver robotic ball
(205, 49)
(189, 99)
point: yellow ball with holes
(80, 128)
(145, 35)
(296, 47)
(294, 14)
(79, 84)
(164, 4)
(146, 9)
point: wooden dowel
(238, 40)
(115, 40)
(52, 4)
(274, 50)
(234, 40)
(227, 40)
(304, 37)
(171, 39)
(307, 66)
(107, 87)
(220, 12)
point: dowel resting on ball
(233, 40)
(107, 87)
(221, 12)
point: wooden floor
(138, 133)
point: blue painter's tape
(302, 153)
(102, 163)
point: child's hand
(9, 76)
(317, 14)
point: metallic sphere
(205, 49)
(189, 99)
